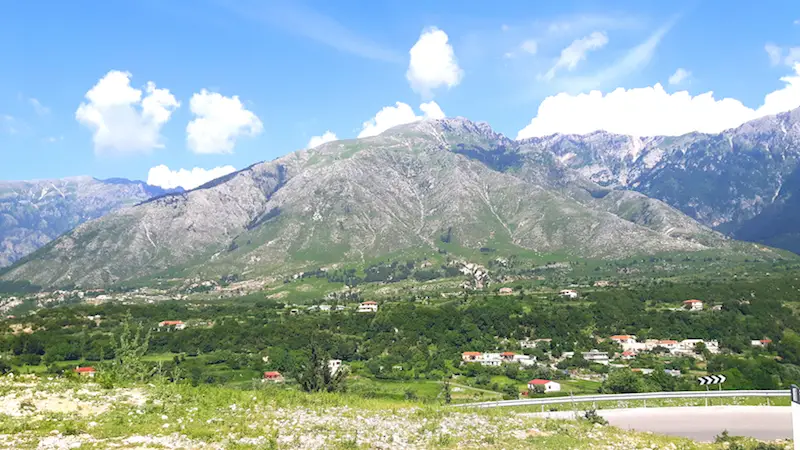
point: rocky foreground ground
(59, 414)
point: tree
(316, 376)
(510, 392)
(130, 345)
(448, 396)
(622, 381)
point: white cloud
(679, 76)
(432, 63)
(401, 113)
(652, 111)
(530, 46)
(121, 119)
(39, 107)
(163, 177)
(54, 139)
(219, 122)
(782, 55)
(326, 137)
(576, 52)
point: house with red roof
(549, 386)
(273, 377)
(172, 324)
(469, 357)
(85, 371)
(693, 305)
(761, 342)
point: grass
(272, 416)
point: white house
(524, 360)
(595, 356)
(471, 357)
(491, 359)
(174, 324)
(760, 342)
(693, 305)
(527, 343)
(549, 386)
(368, 307)
(334, 365)
(568, 293)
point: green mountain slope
(359, 199)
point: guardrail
(626, 397)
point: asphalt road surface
(700, 423)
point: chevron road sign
(711, 379)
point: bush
(592, 416)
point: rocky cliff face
(725, 181)
(32, 213)
(357, 199)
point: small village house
(527, 343)
(760, 342)
(524, 360)
(273, 377)
(628, 355)
(491, 359)
(596, 356)
(469, 357)
(172, 324)
(506, 291)
(693, 305)
(85, 371)
(568, 293)
(368, 307)
(549, 386)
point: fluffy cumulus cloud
(122, 119)
(218, 122)
(679, 76)
(401, 113)
(652, 111)
(166, 178)
(576, 52)
(433, 63)
(316, 141)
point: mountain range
(454, 182)
(32, 213)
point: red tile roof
(272, 374)
(84, 369)
(471, 353)
(538, 381)
(369, 303)
(172, 322)
(620, 337)
(507, 354)
(628, 353)
(693, 301)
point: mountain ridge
(352, 200)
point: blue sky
(301, 69)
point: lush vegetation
(419, 340)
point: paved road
(700, 423)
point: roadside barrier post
(795, 393)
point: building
(524, 360)
(507, 356)
(687, 347)
(506, 291)
(491, 359)
(628, 355)
(334, 365)
(85, 371)
(668, 344)
(761, 342)
(602, 283)
(470, 357)
(273, 377)
(368, 307)
(672, 372)
(527, 343)
(624, 339)
(693, 305)
(172, 324)
(549, 386)
(568, 293)
(596, 356)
